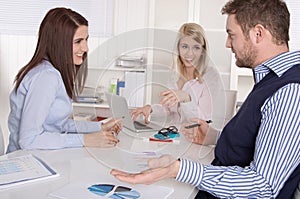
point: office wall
(16, 50)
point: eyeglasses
(113, 191)
(167, 133)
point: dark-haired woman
(41, 101)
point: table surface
(75, 164)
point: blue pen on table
(196, 125)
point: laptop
(119, 108)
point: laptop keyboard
(139, 125)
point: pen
(176, 141)
(158, 140)
(192, 126)
(196, 125)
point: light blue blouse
(40, 113)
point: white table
(78, 163)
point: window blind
(23, 17)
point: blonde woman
(189, 96)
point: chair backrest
(1, 142)
(223, 101)
(297, 192)
(224, 108)
(231, 98)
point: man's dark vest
(236, 144)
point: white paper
(79, 189)
(132, 162)
(23, 169)
(96, 173)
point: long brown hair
(55, 44)
(197, 33)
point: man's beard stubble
(247, 56)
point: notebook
(119, 108)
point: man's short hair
(272, 14)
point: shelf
(91, 105)
(119, 69)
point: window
(294, 7)
(23, 17)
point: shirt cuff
(100, 125)
(75, 140)
(190, 172)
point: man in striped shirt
(258, 152)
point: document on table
(23, 169)
(84, 189)
(96, 182)
(132, 162)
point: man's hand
(201, 134)
(160, 168)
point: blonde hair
(197, 33)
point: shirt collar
(278, 64)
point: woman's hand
(173, 97)
(100, 139)
(113, 124)
(160, 168)
(202, 134)
(145, 111)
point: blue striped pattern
(273, 163)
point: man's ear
(258, 33)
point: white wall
(15, 51)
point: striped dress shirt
(271, 166)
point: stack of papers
(23, 169)
(130, 61)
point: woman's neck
(188, 73)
